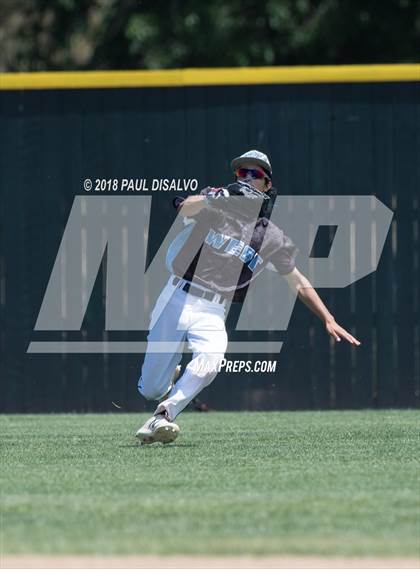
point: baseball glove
(219, 198)
(244, 189)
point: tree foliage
(159, 34)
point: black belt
(188, 287)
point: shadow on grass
(159, 445)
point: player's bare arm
(192, 205)
(308, 295)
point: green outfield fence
(328, 130)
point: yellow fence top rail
(210, 76)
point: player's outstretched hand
(338, 332)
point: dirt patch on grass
(192, 562)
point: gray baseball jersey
(225, 250)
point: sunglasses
(256, 174)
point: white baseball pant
(178, 317)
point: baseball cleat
(157, 429)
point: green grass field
(330, 483)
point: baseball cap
(252, 157)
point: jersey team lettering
(234, 247)
(140, 185)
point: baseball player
(227, 242)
